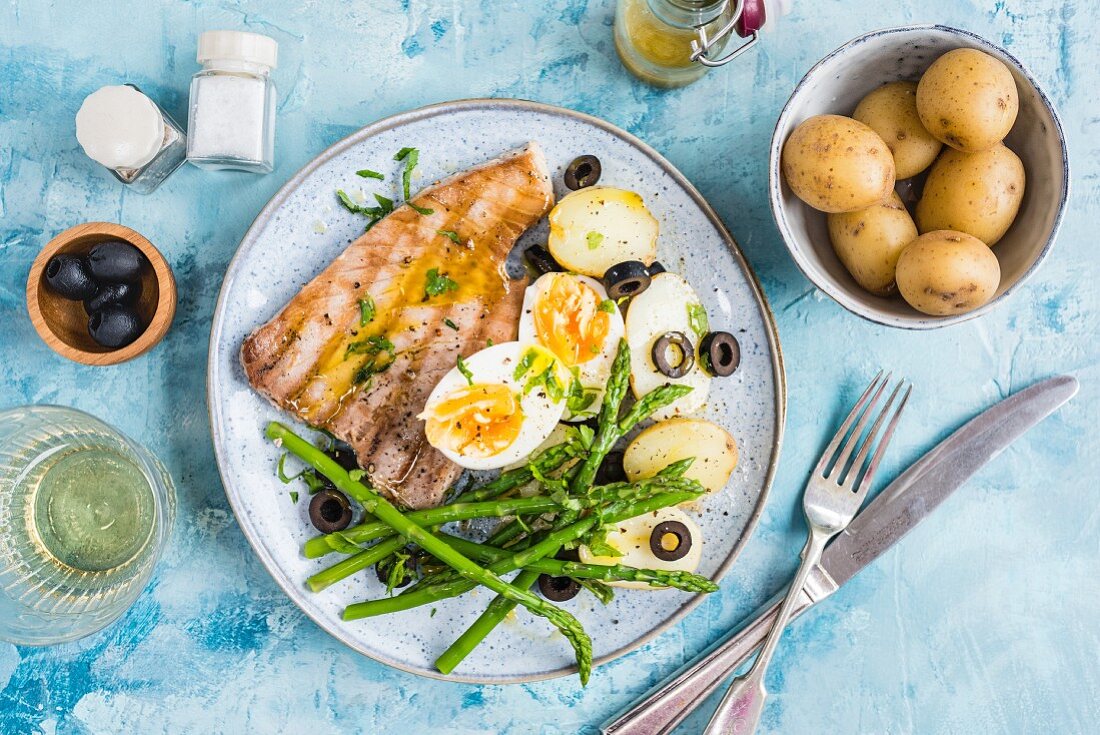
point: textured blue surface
(984, 620)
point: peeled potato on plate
(945, 272)
(837, 164)
(594, 228)
(660, 445)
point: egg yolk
(480, 420)
(568, 320)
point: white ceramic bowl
(837, 83)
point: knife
(903, 504)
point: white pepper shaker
(231, 122)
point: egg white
(661, 308)
(631, 538)
(497, 365)
(592, 374)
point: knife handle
(661, 709)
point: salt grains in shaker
(231, 123)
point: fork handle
(661, 709)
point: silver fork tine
(853, 440)
(865, 483)
(849, 481)
(839, 436)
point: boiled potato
(660, 445)
(944, 272)
(968, 99)
(869, 242)
(633, 539)
(594, 228)
(891, 111)
(975, 193)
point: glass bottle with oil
(672, 43)
(84, 514)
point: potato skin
(869, 242)
(891, 111)
(837, 164)
(942, 273)
(975, 193)
(663, 443)
(968, 100)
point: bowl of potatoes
(918, 176)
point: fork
(834, 493)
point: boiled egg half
(496, 406)
(571, 316)
(665, 539)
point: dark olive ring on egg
(720, 353)
(628, 278)
(679, 532)
(558, 589)
(329, 511)
(582, 172)
(673, 342)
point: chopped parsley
(425, 211)
(372, 345)
(410, 156)
(489, 342)
(579, 398)
(607, 305)
(594, 239)
(597, 543)
(438, 284)
(451, 324)
(524, 364)
(312, 480)
(697, 318)
(465, 370)
(385, 206)
(349, 204)
(366, 311)
(294, 496)
(356, 475)
(366, 173)
(549, 381)
(449, 234)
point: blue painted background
(986, 619)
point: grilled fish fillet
(358, 350)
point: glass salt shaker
(672, 43)
(127, 133)
(231, 121)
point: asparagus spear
(388, 513)
(352, 564)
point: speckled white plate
(301, 230)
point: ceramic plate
(302, 229)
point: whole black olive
(123, 294)
(383, 569)
(329, 511)
(541, 260)
(720, 353)
(670, 540)
(68, 276)
(611, 469)
(680, 346)
(582, 172)
(558, 589)
(116, 261)
(628, 278)
(655, 267)
(115, 326)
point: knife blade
(908, 500)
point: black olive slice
(582, 172)
(720, 353)
(329, 511)
(655, 267)
(558, 589)
(670, 540)
(541, 260)
(611, 469)
(628, 278)
(677, 346)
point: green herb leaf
(594, 239)
(451, 324)
(697, 318)
(432, 613)
(410, 156)
(366, 311)
(350, 205)
(356, 475)
(424, 211)
(524, 364)
(450, 234)
(372, 345)
(465, 370)
(385, 203)
(597, 544)
(489, 342)
(579, 398)
(366, 173)
(609, 306)
(438, 284)
(586, 435)
(294, 496)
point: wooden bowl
(63, 324)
